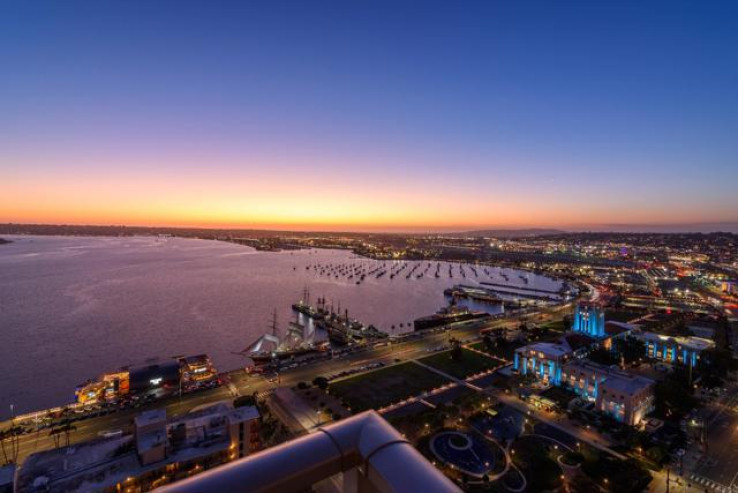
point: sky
(370, 115)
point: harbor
(127, 300)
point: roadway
(717, 466)
(241, 383)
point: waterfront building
(676, 349)
(625, 397)
(544, 360)
(159, 452)
(192, 372)
(155, 376)
(108, 386)
(197, 372)
(589, 319)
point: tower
(589, 319)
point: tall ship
(270, 348)
(448, 315)
(303, 306)
(343, 330)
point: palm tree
(65, 428)
(9, 443)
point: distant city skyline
(372, 116)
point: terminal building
(684, 350)
(625, 397)
(544, 360)
(589, 319)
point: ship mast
(274, 323)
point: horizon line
(623, 228)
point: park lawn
(538, 465)
(379, 388)
(505, 351)
(556, 326)
(621, 315)
(468, 364)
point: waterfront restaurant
(197, 371)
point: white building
(625, 397)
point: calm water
(71, 308)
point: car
(111, 433)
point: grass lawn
(538, 465)
(621, 315)
(380, 388)
(556, 325)
(469, 363)
(507, 350)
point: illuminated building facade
(684, 350)
(543, 360)
(589, 319)
(197, 372)
(626, 398)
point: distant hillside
(509, 233)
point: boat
(472, 292)
(343, 330)
(448, 315)
(270, 348)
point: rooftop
(696, 343)
(147, 418)
(6, 474)
(614, 377)
(550, 349)
(102, 463)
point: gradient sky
(369, 115)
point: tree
(714, 366)
(630, 349)
(487, 340)
(10, 443)
(244, 400)
(602, 356)
(673, 395)
(456, 352)
(321, 382)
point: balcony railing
(373, 456)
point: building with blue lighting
(589, 319)
(625, 397)
(684, 350)
(542, 360)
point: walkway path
(579, 434)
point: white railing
(373, 456)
